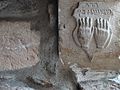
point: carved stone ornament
(92, 23)
(90, 37)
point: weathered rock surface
(18, 9)
(95, 80)
(29, 41)
(19, 45)
(47, 25)
(13, 85)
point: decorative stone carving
(103, 33)
(84, 33)
(88, 35)
(92, 22)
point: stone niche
(90, 33)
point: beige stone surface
(19, 45)
(90, 33)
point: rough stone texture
(32, 24)
(19, 45)
(42, 28)
(46, 24)
(11, 84)
(95, 80)
(29, 24)
(18, 9)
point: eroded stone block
(19, 45)
(90, 33)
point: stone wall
(59, 45)
(89, 42)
